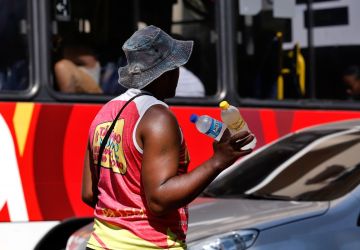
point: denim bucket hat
(150, 52)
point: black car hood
(209, 216)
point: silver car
(300, 192)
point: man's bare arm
(87, 189)
(164, 189)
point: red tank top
(121, 200)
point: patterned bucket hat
(150, 52)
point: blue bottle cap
(194, 118)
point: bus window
(14, 65)
(265, 67)
(195, 20)
(337, 46)
(86, 44)
(273, 53)
(87, 40)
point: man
(351, 78)
(141, 197)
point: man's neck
(154, 92)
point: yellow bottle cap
(224, 105)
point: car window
(328, 171)
(14, 65)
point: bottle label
(215, 128)
(238, 125)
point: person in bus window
(189, 85)
(141, 191)
(351, 78)
(78, 71)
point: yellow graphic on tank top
(113, 155)
(173, 242)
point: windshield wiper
(267, 197)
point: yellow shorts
(107, 236)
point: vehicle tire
(57, 237)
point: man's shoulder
(159, 116)
(159, 112)
(159, 122)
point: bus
(280, 62)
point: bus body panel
(43, 146)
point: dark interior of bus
(13, 46)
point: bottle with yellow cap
(231, 116)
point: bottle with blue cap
(208, 126)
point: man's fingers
(246, 138)
(243, 142)
(245, 152)
(225, 135)
(239, 136)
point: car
(299, 192)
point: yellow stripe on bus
(21, 121)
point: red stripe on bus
(77, 132)
(268, 117)
(48, 162)
(304, 118)
(284, 121)
(4, 213)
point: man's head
(351, 78)
(150, 53)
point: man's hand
(228, 149)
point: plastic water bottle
(231, 116)
(208, 125)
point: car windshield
(327, 170)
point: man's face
(170, 82)
(165, 85)
(352, 84)
(174, 78)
